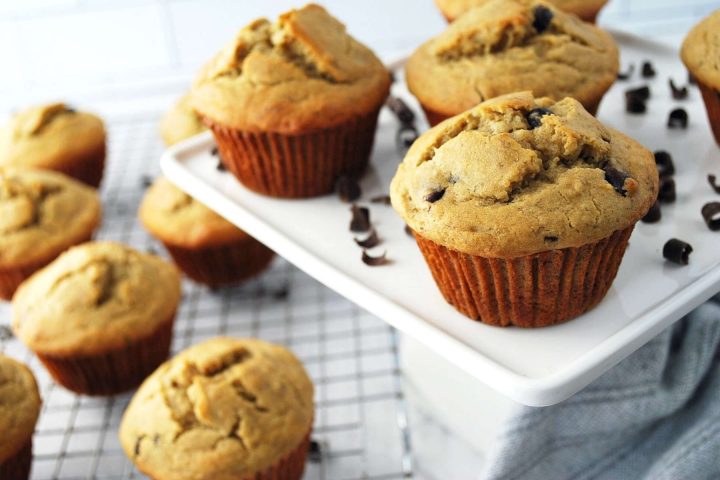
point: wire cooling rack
(361, 423)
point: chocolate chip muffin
(507, 46)
(19, 410)
(523, 207)
(99, 317)
(293, 104)
(180, 122)
(587, 10)
(205, 246)
(226, 409)
(56, 137)
(42, 214)
(700, 53)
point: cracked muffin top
(585, 9)
(42, 213)
(176, 218)
(95, 297)
(19, 406)
(301, 73)
(180, 122)
(508, 46)
(517, 175)
(50, 136)
(221, 410)
(701, 50)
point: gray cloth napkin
(656, 415)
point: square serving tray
(535, 367)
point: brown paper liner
(296, 166)
(87, 169)
(711, 97)
(222, 265)
(18, 466)
(535, 290)
(114, 371)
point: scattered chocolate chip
(677, 251)
(360, 219)
(664, 163)
(551, 238)
(654, 214)
(635, 105)
(6, 333)
(534, 116)
(409, 231)
(315, 453)
(347, 189)
(543, 17)
(401, 110)
(370, 241)
(691, 79)
(678, 118)
(711, 215)
(678, 93)
(214, 152)
(435, 195)
(374, 261)
(405, 137)
(643, 93)
(648, 71)
(616, 178)
(220, 167)
(713, 184)
(628, 74)
(381, 199)
(391, 74)
(146, 181)
(667, 190)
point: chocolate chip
(214, 152)
(628, 74)
(616, 178)
(146, 181)
(405, 137)
(678, 93)
(6, 333)
(543, 17)
(711, 215)
(381, 199)
(435, 195)
(220, 167)
(635, 105)
(667, 190)
(360, 219)
(70, 110)
(534, 117)
(648, 71)
(677, 251)
(347, 189)
(398, 107)
(691, 79)
(678, 118)
(315, 452)
(664, 163)
(374, 261)
(713, 184)
(409, 231)
(551, 238)
(370, 241)
(643, 93)
(654, 214)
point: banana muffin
(585, 9)
(507, 46)
(56, 137)
(293, 104)
(180, 122)
(99, 317)
(42, 214)
(523, 207)
(226, 409)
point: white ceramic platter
(534, 367)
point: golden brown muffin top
(517, 175)
(301, 73)
(19, 406)
(508, 46)
(585, 9)
(180, 122)
(174, 217)
(221, 410)
(50, 136)
(93, 298)
(42, 213)
(701, 50)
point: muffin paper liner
(535, 290)
(222, 265)
(290, 467)
(711, 97)
(88, 169)
(18, 466)
(114, 371)
(296, 166)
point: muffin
(700, 53)
(507, 46)
(293, 105)
(523, 207)
(42, 214)
(99, 317)
(180, 122)
(19, 410)
(585, 9)
(56, 137)
(226, 409)
(205, 246)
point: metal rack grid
(361, 423)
